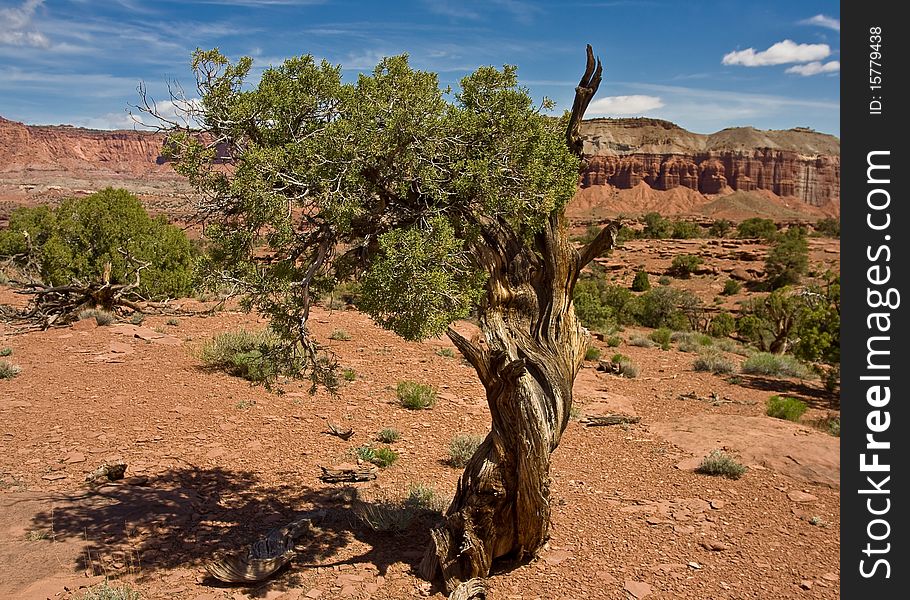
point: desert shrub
(102, 317)
(783, 407)
(348, 374)
(690, 341)
(614, 341)
(625, 366)
(425, 497)
(684, 265)
(8, 370)
(685, 230)
(446, 352)
(659, 307)
(713, 362)
(462, 448)
(137, 318)
(774, 365)
(599, 305)
(641, 341)
(830, 425)
(245, 354)
(386, 516)
(756, 227)
(340, 335)
(415, 396)
(641, 282)
(173, 322)
(625, 234)
(3, 278)
(664, 280)
(341, 296)
(728, 345)
(6, 351)
(828, 227)
(381, 457)
(788, 260)
(722, 325)
(387, 435)
(662, 337)
(720, 228)
(722, 464)
(731, 287)
(592, 353)
(76, 240)
(656, 226)
(818, 331)
(105, 591)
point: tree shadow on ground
(184, 517)
(813, 396)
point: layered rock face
(795, 163)
(64, 149)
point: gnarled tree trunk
(532, 349)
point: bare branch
(584, 92)
(604, 241)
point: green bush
(599, 305)
(245, 354)
(660, 307)
(782, 407)
(774, 365)
(641, 282)
(340, 335)
(720, 228)
(641, 341)
(684, 265)
(446, 352)
(756, 227)
(664, 280)
(6, 351)
(349, 374)
(415, 396)
(722, 464)
(788, 260)
(77, 239)
(662, 337)
(387, 435)
(731, 287)
(624, 366)
(462, 448)
(722, 325)
(656, 226)
(614, 341)
(713, 362)
(685, 230)
(828, 227)
(381, 457)
(592, 353)
(8, 370)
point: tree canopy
(309, 181)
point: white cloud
(16, 26)
(624, 105)
(822, 21)
(815, 67)
(780, 53)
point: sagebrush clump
(8, 370)
(415, 396)
(714, 362)
(462, 448)
(102, 317)
(722, 464)
(774, 365)
(783, 407)
(246, 354)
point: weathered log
(348, 473)
(603, 420)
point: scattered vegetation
(348, 374)
(731, 287)
(105, 591)
(7, 351)
(664, 280)
(245, 354)
(722, 464)
(77, 239)
(614, 341)
(784, 407)
(713, 362)
(828, 227)
(685, 230)
(662, 337)
(641, 282)
(462, 448)
(756, 227)
(788, 259)
(624, 366)
(722, 325)
(8, 370)
(340, 335)
(592, 353)
(684, 265)
(102, 317)
(656, 226)
(446, 352)
(774, 365)
(641, 341)
(415, 396)
(387, 435)
(173, 322)
(829, 424)
(137, 319)
(720, 228)
(381, 457)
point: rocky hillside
(795, 165)
(635, 165)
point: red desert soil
(213, 463)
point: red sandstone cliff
(794, 163)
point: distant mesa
(634, 166)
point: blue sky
(702, 64)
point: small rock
(72, 458)
(714, 545)
(85, 325)
(54, 476)
(637, 588)
(313, 593)
(805, 584)
(694, 565)
(830, 577)
(717, 504)
(605, 577)
(689, 464)
(799, 496)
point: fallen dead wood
(603, 420)
(338, 431)
(348, 473)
